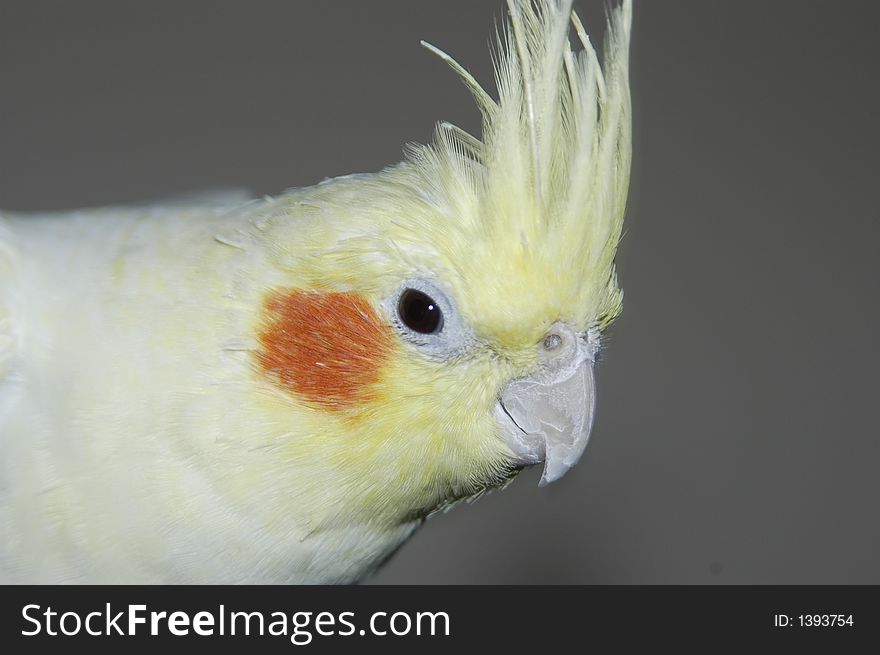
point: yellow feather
(166, 454)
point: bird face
(537, 368)
(445, 375)
(446, 312)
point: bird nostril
(552, 342)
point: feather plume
(551, 170)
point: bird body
(164, 310)
(251, 391)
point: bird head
(443, 315)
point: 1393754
(813, 620)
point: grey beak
(548, 417)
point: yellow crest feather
(549, 177)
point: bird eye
(419, 312)
(425, 315)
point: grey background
(737, 437)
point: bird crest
(546, 183)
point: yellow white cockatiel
(282, 390)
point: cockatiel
(282, 390)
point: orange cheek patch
(327, 348)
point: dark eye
(419, 312)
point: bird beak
(547, 417)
